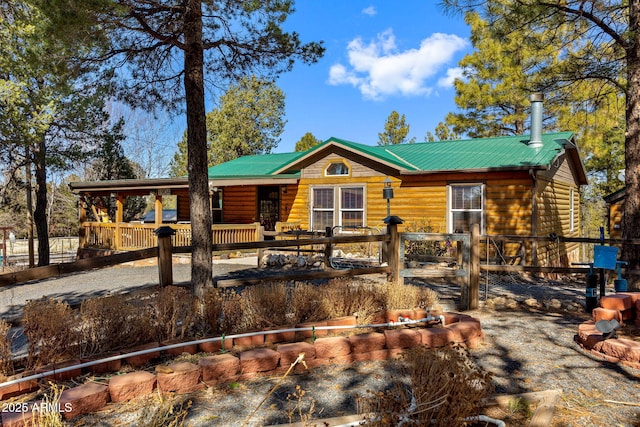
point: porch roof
(142, 185)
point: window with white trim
(337, 206)
(337, 169)
(466, 207)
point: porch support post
(158, 208)
(119, 208)
(82, 218)
(165, 255)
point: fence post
(260, 238)
(393, 248)
(165, 255)
(328, 247)
(474, 267)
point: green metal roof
(504, 152)
(259, 165)
(485, 153)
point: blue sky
(380, 56)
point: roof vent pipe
(536, 119)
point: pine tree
(395, 130)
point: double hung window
(466, 207)
(337, 206)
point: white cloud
(451, 75)
(379, 70)
(371, 10)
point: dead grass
(446, 387)
(164, 411)
(50, 416)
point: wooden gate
(464, 251)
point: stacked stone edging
(186, 377)
(622, 307)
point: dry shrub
(111, 323)
(308, 303)
(400, 296)
(233, 319)
(446, 388)
(6, 358)
(344, 297)
(266, 305)
(49, 326)
(212, 311)
(175, 313)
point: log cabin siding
(615, 219)
(240, 205)
(183, 205)
(553, 216)
(508, 207)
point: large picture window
(337, 206)
(466, 207)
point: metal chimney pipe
(536, 119)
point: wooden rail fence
(469, 262)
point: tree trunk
(631, 217)
(201, 244)
(29, 194)
(40, 213)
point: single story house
(505, 184)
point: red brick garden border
(226, 367)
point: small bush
(49, 326)
(111, 323)
(233, 319)
(212, 311)
(6, 361)
(346, 298)
(308, 303)
(446, 388)
(409, 296)
(175, 313)
(267, 305)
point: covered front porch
(121, 215)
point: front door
(269, 206)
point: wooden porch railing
(127, 236)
